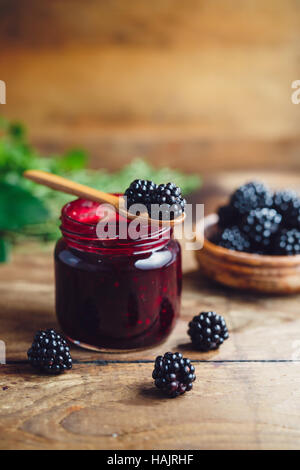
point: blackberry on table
(234, 239)
(287, 243)
(49, 352)
(260, 225)
(208, 331)
(228, 216)
(140, 192)
(173, 374)
(287, 203)
(251, 196)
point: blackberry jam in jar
(115, 293)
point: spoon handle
(70, 187)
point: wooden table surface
(246, 395)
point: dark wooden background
(201, 85)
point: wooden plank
(232, 406)
(181, 147)
(225, 94)
(200, 86)
(154, 24)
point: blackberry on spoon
(169, 197)
(162, 202)
(140, 192)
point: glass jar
(111, 292)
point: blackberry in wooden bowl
(259, 249)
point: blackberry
(208, 331)
(261, 225)
(173, 374)
(49, 352)
(228, 216)
(287, 203)
(287, 242)
(234, 239)
(168, 196)
(172, 203)
(140, 192)
(251, 196)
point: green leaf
(4, 250)
(75, 159)
(18, 208)
(16, 130)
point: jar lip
(80, 219)
(83, 203)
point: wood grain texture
(198, 85)
(232, 406)
(117, 22)
(27, 304)
(245, 397)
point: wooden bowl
(258, 273)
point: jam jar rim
(89, 241)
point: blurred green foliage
(31, 210)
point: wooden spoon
(70, 187)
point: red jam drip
(114, 293)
